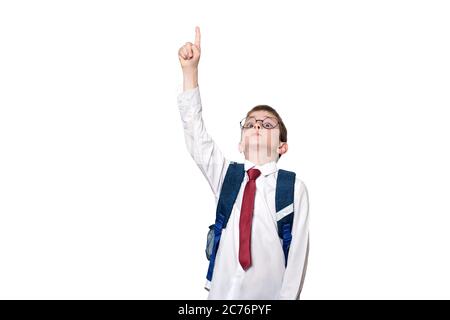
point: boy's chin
(255, 150)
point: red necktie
(245, 222)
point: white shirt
(267, 278)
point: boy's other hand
(189, 54)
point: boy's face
(259, 143)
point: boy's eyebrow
(266, 116)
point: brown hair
(283, 130)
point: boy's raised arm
(200, 145)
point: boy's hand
(189, 54)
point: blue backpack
(284, 204)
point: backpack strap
(284, 205)
(228, 194)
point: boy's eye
(267, 125)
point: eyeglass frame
(262, 121)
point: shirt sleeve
(199, 143)
(295, 272)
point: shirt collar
(266, 169)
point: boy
(250, 262)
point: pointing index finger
(197, 36)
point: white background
(99, 198)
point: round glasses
(267, 123)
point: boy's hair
(283, 130)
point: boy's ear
(282, 148)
